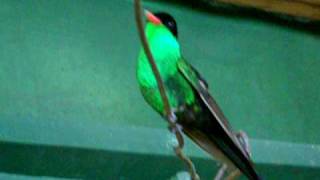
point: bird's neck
(166, 52)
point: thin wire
(168, 112)
(150, 57)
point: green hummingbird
(197, 112)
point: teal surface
(67, 69)
(23, 177)
(122, 153)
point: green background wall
(70, 106)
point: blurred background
(70, 107)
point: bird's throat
(166, 53)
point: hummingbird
(188, 94)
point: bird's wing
(224, 139)
(201, 86)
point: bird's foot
(172, 116)
(174, 127)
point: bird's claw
(174, 127)
(172, 117)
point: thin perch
(168, 112)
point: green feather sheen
(166, 52)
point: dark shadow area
(236, 12)
(82, 163)
(71, 162)
(287, 172)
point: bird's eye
(171, 24)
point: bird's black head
(166, 19)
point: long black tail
(231, 150)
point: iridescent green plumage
(166, 52)
(197, 112)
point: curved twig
(150, 57)
(167, 110)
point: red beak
(152, 18)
